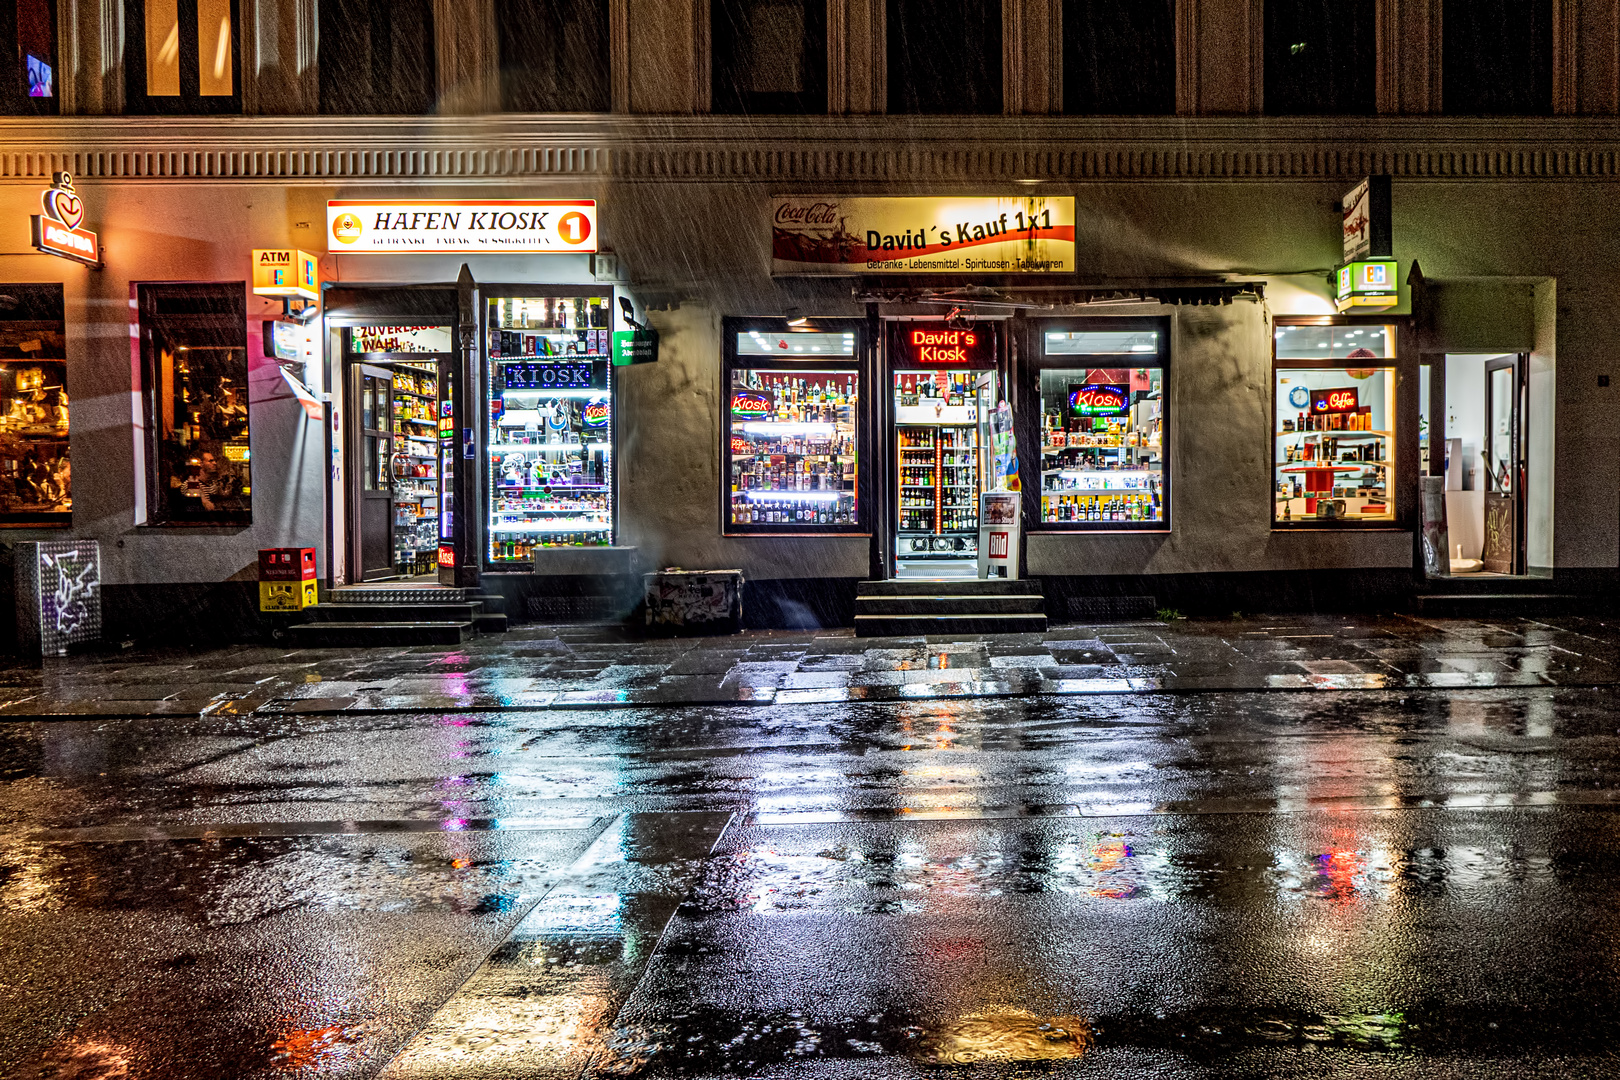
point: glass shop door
(371, 408)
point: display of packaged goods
(1102, 435)
(550, 434)
(793, 453)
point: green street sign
(635, 347)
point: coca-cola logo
(816, 213)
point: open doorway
(1487, 470)
(941, 450)
(397, 462)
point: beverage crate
(287, 595)
(287, 564)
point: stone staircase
(369, 615)
(906, 607)
(1474, 596)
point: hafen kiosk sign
(835, 235)
(481, 225)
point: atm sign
(1335, 401)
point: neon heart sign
(64, 206)
(57, 231)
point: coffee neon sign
(1098, 399)
(936, 343)
(1336, 400)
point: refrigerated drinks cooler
(550, 434)
(939, 453)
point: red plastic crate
(286, 564)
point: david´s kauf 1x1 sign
(836, 235)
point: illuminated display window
(36, 472)
(550, 436)
(790, 439)
(1103, 463)
(1334, 446)
(195, 383)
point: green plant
(1237, 616)
(1169, 614)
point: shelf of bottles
(1103, 469)
(550, 436)
(938, 484)
(415, 468)
(793, 451)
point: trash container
(694, 601)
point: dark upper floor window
(944, 56)
(180, 56)
(28, 58)
(376, 57)
(1119, 59)
(553, 55)
(1496, 57)
(1321, 57)
(769, 56)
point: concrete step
(340, 634)
(372, 613)
(914, 625)
(948, 587)
(490, 622)
(995, 604)
(1474, 584)
(1475, 605)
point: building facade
(1172, 390)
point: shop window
(195, 392)
(1497, 57)
(180, 56)
(1321, 57)
(36, 474)
(1333, 459)
(1119, 59)
(28, 58)
(770, 56)
(553, 55)
(1103, 453)
(377, 58)
(551, 423)
(789, 432)
(944, 56)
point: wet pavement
(256, 876)
(544, 668)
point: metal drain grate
(572, 608)
(374, 595)
(1106, 608)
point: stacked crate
(286, 579)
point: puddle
(1004, 1035)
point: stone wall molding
(806, 154)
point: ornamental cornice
(803, 153)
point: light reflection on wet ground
(1259, 884)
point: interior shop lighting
(764, 495)
(594, 395)
(787, 427)
(549, 526)
(550, 446)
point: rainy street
(1410, 871)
